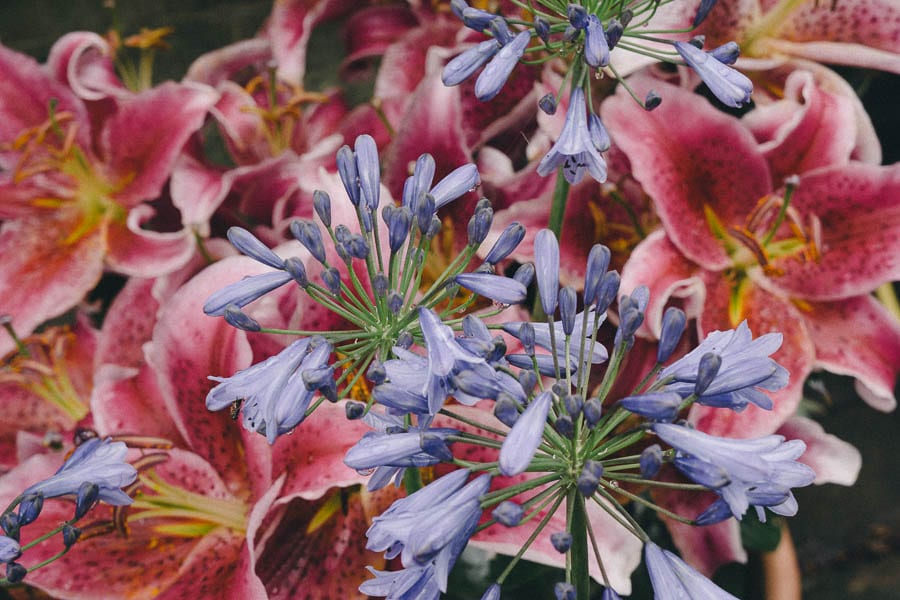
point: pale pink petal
(84, 61)
(43, 274)
(861, 33)
(128, 324)
(186, 348)
(127, 401)
(689, 157)
(25, 93)
(224, 63)
(313, 454)
(140, 148)
(765, 313)
(658, 264)
(860, 338)
(860, 242)
(197, 191)
(808, 128)
(138, 252)
(833, 459)
(241, 124)
(289, 28)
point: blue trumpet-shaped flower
(575, 149)
(672, 578)
(97, 462)
(731, 87)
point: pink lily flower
(723, 250)
(250, 520)
(76, 180)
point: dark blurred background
(848, 539)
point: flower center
(41, 368)
(179, 512)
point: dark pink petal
(186, 348)
(128, 324)
(860, 242)
(316, 550)
(208, 571)
(764, 313)
(289, 28)
(808, 128)
(138, 252)
(25, 93)
(833, 459)
(84, 61)
(862, 33)
(658, 264)
(43, 275)
(689, 157)
(127, 401)
(313, 455)
(220, 65)
(860, 338)
(371, 30)
(140, 148)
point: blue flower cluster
(95, 471)
(584, 35)
(560, 426)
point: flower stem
(558, 206)
(579, 551)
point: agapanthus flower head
(100, 462)
(370, 281)
(557, 441)
(606, 39)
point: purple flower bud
(10, 523)
(731, 87)
(527, 379)
(435, 444)
(651, 461)
(354, 410)
(589, 479)
(308, 234)
(657, 406)
(652, 100)
(422, 178)
(238, 319)
(499, 68)
(577, 16)
(480, 225)
(606, 290)
(614, 31)
(332, 279)
(500, 289)
(248, 244)
(245, 291)
(565, 426)
(716, 512)
(395, 302)
(546, 258)
(547, 103)
(346, 164)
(380, 284)
(697, 41)
(524, 274)
(561, 540)
(500, 30)
(707, 371)
(294, 267)
(563, 590)
(10, 549)
(592, 411)
(424, 212)
(596, 48)
(526, 336)
(506, 409)
(464, 65)
(366, 153)
(405, 339)
(599, 135)
(70, 535)
(508, 513)
(673, 323)
(626, 16)
(570, 34)
(358, 247)
(525, 436)
(376, 372)
(15, 572)
(597, 263)
(86, 498)
(542, 28)
(568, 306)
(727, 53)
(322, 205)
(29, 509)
(573, 404)
(703, 10)
(492, 593)
(477, 19)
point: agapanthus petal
(525, 436)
